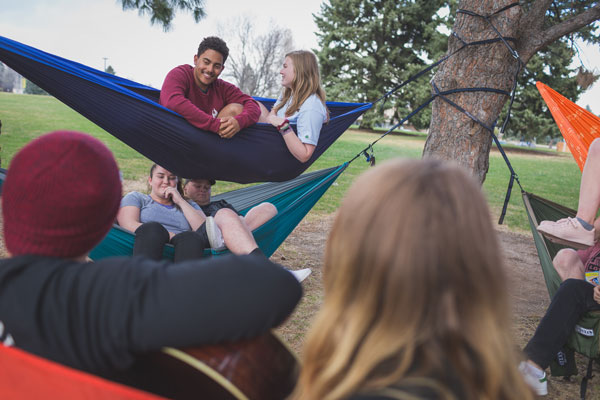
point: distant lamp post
(105, 58)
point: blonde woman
(302, 103)
(415, 294)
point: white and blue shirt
(309, 119)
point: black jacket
(97, 316)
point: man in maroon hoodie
(204, 100)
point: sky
(88, 31)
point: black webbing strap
(442, 94)
(465, 44)
(585, 380)
(441, 60)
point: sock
(583, 223)
(532, 370)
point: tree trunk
(452, 134)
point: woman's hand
(597, 294)
(274, 120)
(172, 193)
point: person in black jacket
(59, 199)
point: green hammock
(293, 199)
(539, 209)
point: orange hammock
(28, 377)
(578, 126)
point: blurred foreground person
(416, 300)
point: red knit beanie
(60, 197)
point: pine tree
(369, 46)
(530, 117)
(163, 11)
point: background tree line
(367, 47)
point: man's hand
(229, 127)
(597, 294)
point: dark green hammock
(293, 199)
(540, 209)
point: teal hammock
(293, 199)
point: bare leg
(237, 236)
(568, 264)
(258, 215)
(231, 110)
(263, 113)
(589, 190)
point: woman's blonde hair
(415, 292)
(307, 81)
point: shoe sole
(557, 240)
(210, 233)
(303, 276)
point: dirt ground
(528, 294)
(305, 246)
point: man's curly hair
(216, 44)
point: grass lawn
(556, 177)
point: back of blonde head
(307, 81)
(414, 288)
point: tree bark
(452, 134)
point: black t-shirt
(97, 316)
(214, 206)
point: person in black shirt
(59, 199)
(199, 191)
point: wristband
(285, 121)
(287, 130)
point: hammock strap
(443, 94)
(465, 44)
(441, 60)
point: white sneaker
(301, 274)
(539, 385)
(215, 237)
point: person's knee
(190, 238)
(564, 257)
(231, 110)
(225, 215)
(150, 238)
(568, 264)
(152, 229)
(594, 149)
(268, 209)
(264, 113)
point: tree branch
(532, 39)
(571, 25)
(534, 18)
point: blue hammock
(130, 112)
(293, 199)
